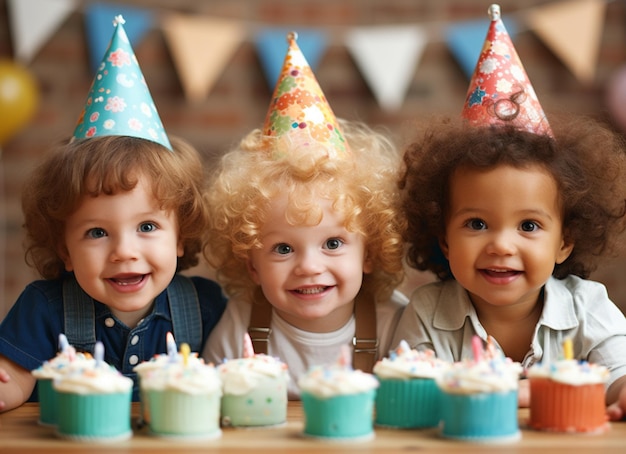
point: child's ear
(254, 275)
(368, 266)
(443, 245)
(564, 252)
(180, 249)
(65, 257)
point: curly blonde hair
(361, 187)
(109, 165)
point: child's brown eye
(477, 224)
(529, 226)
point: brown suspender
(364, 342)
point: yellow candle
(185, 350)
(568, 349)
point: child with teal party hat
(111, 217)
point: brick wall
(239, 100)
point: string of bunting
(387, 55)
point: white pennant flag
(387, 57)
(32, 23)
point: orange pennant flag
(573, 31)
(201, 47)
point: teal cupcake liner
(48, 402)
(346, 416)
(94, 417)
(178, 414)
(480, 416)
(408, 404)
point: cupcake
(568, 395)
(254, 389)
(408, 396)
(479, 397)
(65, 360)
(183, 397)
(94, 402)
(158, 362)
(338, 401)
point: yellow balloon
(18, 98)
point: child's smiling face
(309, 273)
(504, 233)
(123, 249)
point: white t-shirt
(299, 349)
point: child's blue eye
(283, 249)
(96, 232)
(147, 227)
(477, 224)
(529, 226)
(333, 243)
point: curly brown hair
(586, 159)
(108, 165)
(362, 188)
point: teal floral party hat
(119, 101)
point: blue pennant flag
(272, 45)
(465, 41)
(98, 18)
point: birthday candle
(248, 349)
(345, 356)
(477, 348)
(98, 353)
(568, 349)
(63, 343)
(185, 350)
(171, 347)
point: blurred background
(211, 67)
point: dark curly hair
(586, 159)
(108, 165)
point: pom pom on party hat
(299, 115)
(500, 91)
(119, 101)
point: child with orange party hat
(512, 215)
(305, 233)
(111, 217)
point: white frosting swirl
(194, 378)
(405, 363)
(240, 376)
(335, 380)
(491, 374)
(97, 379)
(62, 364)
(570, 371)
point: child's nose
(122, 248)
(502, 243)
(309, 263)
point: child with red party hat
(305, 233)
(512, 215)
(111, 216)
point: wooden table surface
(20, 432)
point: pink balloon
(616, 97)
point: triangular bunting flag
(387, 56)
(465, 41)
(270, 44)
(33, 22)
(98, 27)
(201, 48)
(573, 30)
